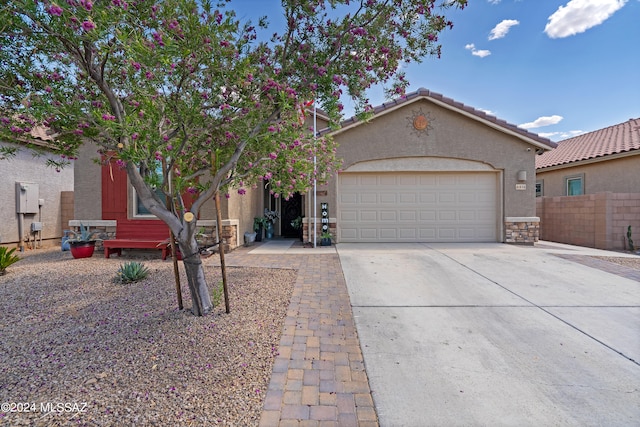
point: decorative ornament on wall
(420, 122)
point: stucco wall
(594, 220)
(88, 187)
(26, 168)
(451, 136)
(620, 175)
(244, 208)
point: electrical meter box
(27, 194)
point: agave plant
(132, 271)
(7, 258)
(84, 235)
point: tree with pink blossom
(186, 88)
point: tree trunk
(185, 233)
(201, 300)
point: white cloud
(580, 15)
(489, 112)
(481, 53)
(542, 121)
(501, 30)
(548, 135)
(494, 1)
(559, 136)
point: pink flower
(55, 10)
(273, 156)
(227, 195)
(136, 65)
(158, 38)
(88, 25)
(242, 191)
(108, 117)
(87, 4)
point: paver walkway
(318, 377)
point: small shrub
(130, 272)
(7, 258)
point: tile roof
(43, 133)
(620, 138)
(454, 105)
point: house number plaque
(324, 208)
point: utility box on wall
(27, 194)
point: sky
(558, 68)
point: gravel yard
(101, 353)
(631, 262)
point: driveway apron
(493, 334)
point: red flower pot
(82, 249)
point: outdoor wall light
(522, 175)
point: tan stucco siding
(244, 208)
(621, 175)
(88, 184)
(26, 168)
(451, 136)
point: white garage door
(417, 207)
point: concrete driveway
(492, 334)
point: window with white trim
(139, 210)
(574, 185)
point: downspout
(21, 231)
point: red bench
(138, 235)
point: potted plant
(82, 243)
(259, 224)
(325, 239)
(297, 225)
(270, 217)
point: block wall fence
(593, 220)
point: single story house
(588, 187)
(424, 168)
(35, 198)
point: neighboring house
(33, 196)
(588, 187)
(424, 169)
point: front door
(291, 209)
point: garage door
(417, 207)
